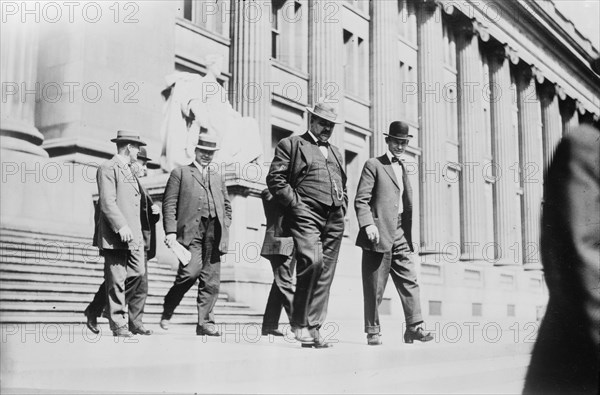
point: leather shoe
(140, 330)
(207, 331)
(122, 332)
(164, 324)
(304, 336)
(92, 322)
(273, 332)
(373, 339)
(318, 343)
(417, 334)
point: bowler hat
(398, 130)
(124, 136)
(207, 142)
(324, 110)
(143, 154)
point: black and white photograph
(300, 197)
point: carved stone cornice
(537, 73)
(505, 51)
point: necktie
(323, 143)
(395, 160)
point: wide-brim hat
(207, 142)
(398, 130)
(124, 136)
(143, 154)
(324, 110)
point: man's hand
(126, 234)
(372, 233)
(155, 209)
(170, 239)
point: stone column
(532, 159)
(505, 153)
(325, 58)
(385, 76)
(434, 227)
(570, 117)
(250, 65)
(18, 73)
(471, 138)
(551, 120)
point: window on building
(356, 58)
(277, 134)
(407, 24)
(289, 33)
(449, 46)
(212, 15)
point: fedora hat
(207, 142)
(124, 136)
(143, 154)
(324, 110)
(398, 130)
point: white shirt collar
(315, 139)
(123, 159)
(390, 156)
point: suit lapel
(127, 174)
(387, 165)
(196, 174)
(306, 148)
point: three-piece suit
(196, 208)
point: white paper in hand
(181, 253)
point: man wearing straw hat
(119, 230)
(384, 209)
(150, 215)
(197, 214)
(307, 178)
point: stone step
(88, 278)
(35, 266)
(75, 297)
(27, 235)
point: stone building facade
(488, 88)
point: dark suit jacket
(181, 201)
(376, 204)
(566, 356)
(292, 162)
(119, 202)
(272, 244)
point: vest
(323, 182)
(207, 207)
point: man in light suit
(197, 214)
(119, 232)
(280, 253)
(384, 208)
(307, 178)
(566, 355)
(150, 215)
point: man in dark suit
(307, 178)
(119, 231)
(384, 208)
(566, 356)
(280, 253)
(197, 214)
(150, 214)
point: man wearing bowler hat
(384, 208)
(119, 230)
(307, 178)
(150, 214)
(197, 214)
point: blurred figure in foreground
(566, 356)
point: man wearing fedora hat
(307, 178)
(150, 215)
(384, 209)
(197, 214)
(119, 230)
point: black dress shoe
(140, 330)
(273, 332)
(417, 334)
(92, 322)
(317, 344)
(207, 331)
(122, 332)
(304, 336)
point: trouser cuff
(372, 329)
